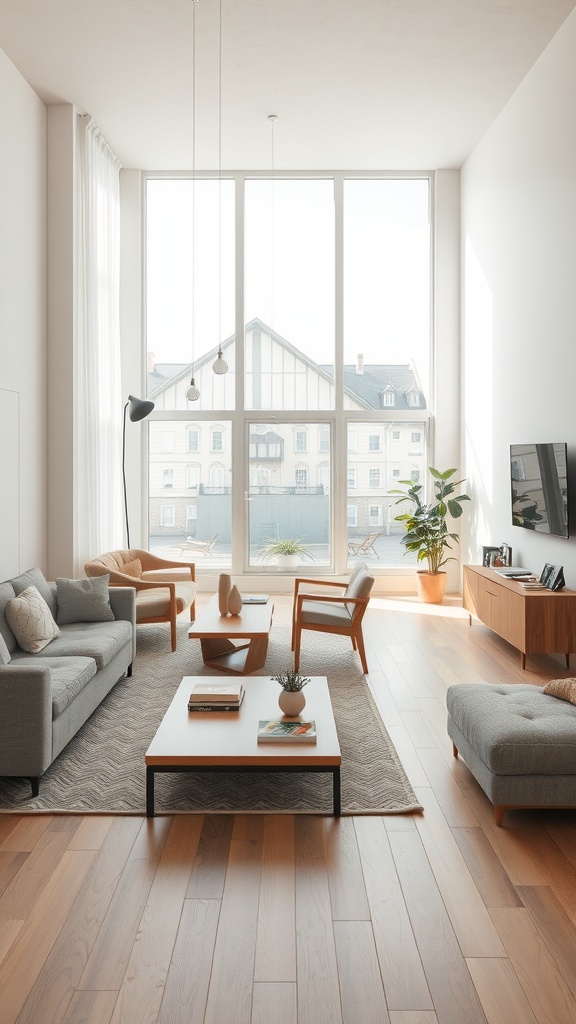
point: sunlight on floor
(450, 608)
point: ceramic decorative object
(291, 702)
(235, 601)
(224, 588)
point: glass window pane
(189, 290)
(373, 534)
(387, 289)
(200, 493)
(289, 494)
(289, 294)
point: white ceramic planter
(291, 702)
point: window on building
(167, 516)
(374, 478)
(415, 476)
(323, 439)
(395, 435)
(301, 477)
(352, 441)
(374, 443)
(301, 441)
(351, 515)
(351, 478)
(375, 515)
(192, 477)
(388, 399)
(415, 437)
(216, 441)
(167, 478)
(413, 399)
(395, 472)
(193, 439)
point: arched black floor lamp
(139, 409)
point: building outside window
(167, 478)
(374, 478)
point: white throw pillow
(31, 620)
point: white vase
(224, 588)
(235, 601)
(287, 561)
(291, 702)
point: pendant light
(220, 366)
(193, 391)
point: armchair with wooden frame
(325, 613)
(163, 588)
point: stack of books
(286, 732)
(216, 697)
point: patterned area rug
(102, 768)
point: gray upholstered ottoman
(519, 743)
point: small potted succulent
(285, 551)
(291, 700)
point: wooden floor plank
(447, 792)
(469, 917)
(230, 990)
(454, 996)
(186, 989)
(207, 878)
(60, 975)
(318, 987)
(25, 959)
(501, 994)
(274, 1003)
(413, 1017)
(400, 964)
(275, 959)
(361, 988)
(143, 983)
(558, 931)
(345, 879)
(90, 1008)
(548, 994)
(92, 832)
(492, 882)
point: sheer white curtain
(98, 515)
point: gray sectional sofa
(46, 696)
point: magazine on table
(286, 732)
(254, 598)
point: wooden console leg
(455, 750)
(499, 815)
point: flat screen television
(539, 481)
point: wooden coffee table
(227, 740)
(218, 635)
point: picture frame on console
(496, 556)
(552, 576)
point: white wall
(23, 366)
(519, 253)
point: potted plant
(427, 530)
(286, 552)
(291, 700)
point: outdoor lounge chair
(362, 546)
(202, 546)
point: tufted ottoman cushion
(519, 743)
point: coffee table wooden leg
(149, 791)
(336, 787)
(215, 646)
(256, 655)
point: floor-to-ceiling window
(316, 291)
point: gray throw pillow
(83, 600)
(5, 656)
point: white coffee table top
(230, 737)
